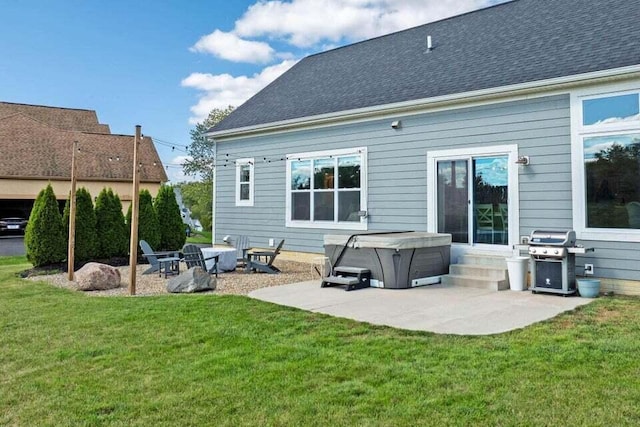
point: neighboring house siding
(397, 175)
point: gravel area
(236, 282)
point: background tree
(86, 237)
(44, 236)
(113, 240)
(148, 225)
(197, 196)
(172, 230)
(201, 149)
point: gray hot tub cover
(409, 240)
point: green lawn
(69, 359)
(200, 237)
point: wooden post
(135, 203)
(72, 215)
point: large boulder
(94, 276)
(193, 280)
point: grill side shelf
(580, 251)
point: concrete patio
(439, 308)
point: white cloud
(305, 23)
(232, 48)
(312, 25)
(222, 90)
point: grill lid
(566, 238)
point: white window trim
(463, 153)
(578, 132)
(363, 224)
(239, 164)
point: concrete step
(479, 271)
(475, 282)
(484, 259)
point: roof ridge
(47, 106)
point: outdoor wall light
(523, 160)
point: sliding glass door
(472, 199)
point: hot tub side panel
(363, 258)
(401, 267)
(395, 268)
(430, 262)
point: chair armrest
(160, 255)
(262, 253)
(216, 257)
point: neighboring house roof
(512, 43)
(32, 149)
(63, 118)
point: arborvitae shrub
(86, 236)
(148, 226)
(44, 236)
(111, 229)
(172, 230)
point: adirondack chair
(193, 257)
(242, 247)
(154, 257)
(263, 260)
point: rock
(94, 276)
(193, 280)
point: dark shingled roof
(63, 118)
(515, 42)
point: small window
(244, 182)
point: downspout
(213, 195)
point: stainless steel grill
(553, 261)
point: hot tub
(396, 260)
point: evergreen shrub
(44, 238)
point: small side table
(171, 265)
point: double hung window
(327, 189)
(244, 182)
(607, 164)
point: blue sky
(165, 64)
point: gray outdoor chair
(153, 257)
(263, 260)
(242, 247)
(193, 257)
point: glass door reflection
(490, 200)
(453, 199)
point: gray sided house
(430, 129)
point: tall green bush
(44, 236)
(113, 240)
(172, 230)
(148, 226)
(86, 237)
